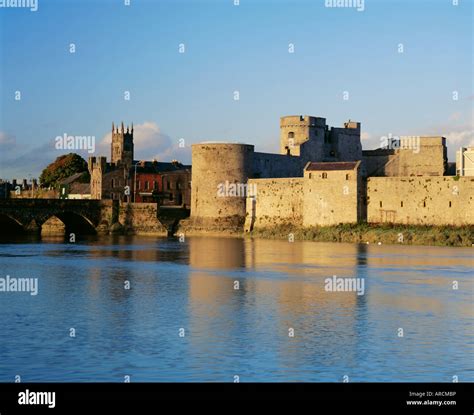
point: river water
(214, 309)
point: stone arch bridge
(79, 216)
(87, 216)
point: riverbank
(374, 233)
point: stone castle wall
(331, 201)
(418, 156)
(421, 200)
(305, 202)
(428, 160)
(346, 144)
(266, 165)
(278, 201)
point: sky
(406, 68)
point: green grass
(374, 233)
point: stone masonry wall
(267, 165)
(278, 201)
(421, 200)
(140, 218)
(305, 202)
(332, 200)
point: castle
(323, 177)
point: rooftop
(72, 179)
(327, 166)
(158, 166)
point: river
(227, 309)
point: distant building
(74, 188)
(130, 180)
(465, 161)
(28, 190)
(4, 189)
(168, 183)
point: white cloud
(460, 137)
(458, 130)
(150, 143)
(7, 141)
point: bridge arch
(53, 226)
(74, 223)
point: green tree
(63, 167)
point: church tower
(122, 145)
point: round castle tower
(218, 168)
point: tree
(63, 167)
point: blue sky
(228, 48)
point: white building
(465, 161)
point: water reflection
(237, 301)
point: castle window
(325, 176)
(449, 203)
(380, 203)
(401, 204)
(291, 134)
(424, 203)
(310, 175)
(347, 176)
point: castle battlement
(99, 163)
(302, 120)
(122, 145)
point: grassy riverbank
(372, 233)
